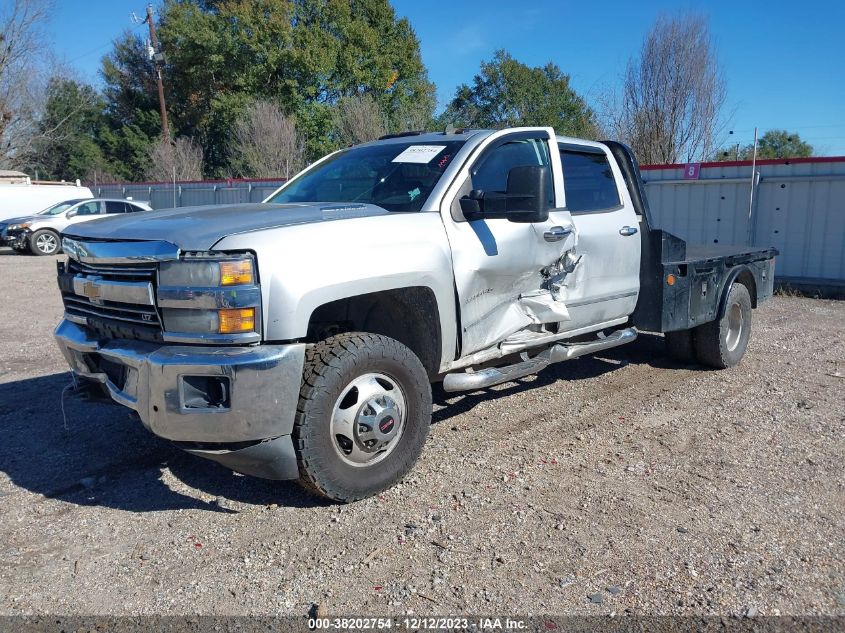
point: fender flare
(732, 276)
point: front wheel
(45, 242)
(363, 416)
(722, 343)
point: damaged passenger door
(507, 261)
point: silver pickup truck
(298, 338)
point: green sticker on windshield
(413, 193)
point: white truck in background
(22, 196)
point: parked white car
(41, 233)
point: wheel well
(747, 279)
(408, 315)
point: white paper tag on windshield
(419, 153)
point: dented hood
(200, 228)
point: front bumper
(247, 428)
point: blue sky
(783, 61)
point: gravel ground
(604, 485)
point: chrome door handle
(557, 233)
(628, 230)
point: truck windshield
(395, 176)
(56, 209)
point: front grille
(111, 319)
(131, 272)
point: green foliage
(303, 55)
(773, 144)
(508, 93)
(68, 144)
(782, 144)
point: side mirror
(472, 206)
(527, 195)
(70, 213)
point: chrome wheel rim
(46, 243)
(368, 419)
(734, 327)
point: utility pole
(158, 59)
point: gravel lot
(652, 487)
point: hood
(200, 228)
(20, 220)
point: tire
(45, 242)
(680, 347)
(722, 343)
(363, 416)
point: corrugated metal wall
(189, 194)
(798, 207)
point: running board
(467, 381)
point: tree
(68, 144)
(509, 93)
(782, 144)
(131, 107)
(773, 144)
(21, 80)
(359, 119)
(673, 93)
(267, 143)
(303, 55)
(180, 160)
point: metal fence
(798, 207)
(189, 194)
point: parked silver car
(41, 233)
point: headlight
(18, 227)
(210, 273)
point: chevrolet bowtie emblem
(91, 289)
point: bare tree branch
(182, 157)
(673, 94)
(266, 143)
(22, 80)
(359, 119)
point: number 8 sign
(691, 171)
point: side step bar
(467, 381)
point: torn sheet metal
(542, 307)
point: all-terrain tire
(331, 366)
(722, 343)
(45, 242)
(680, 346)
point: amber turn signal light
(236, 272)
(236, 321)
(670, 279)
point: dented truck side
(470, 257)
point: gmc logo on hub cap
(386, 425)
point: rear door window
(113, 206)
(588, 181)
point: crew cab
(298, 338)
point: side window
(113, 206)
(588, 181)
(88, 208)
(490, 173)
(131, 208)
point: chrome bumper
(158, 381)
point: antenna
(135, 19)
